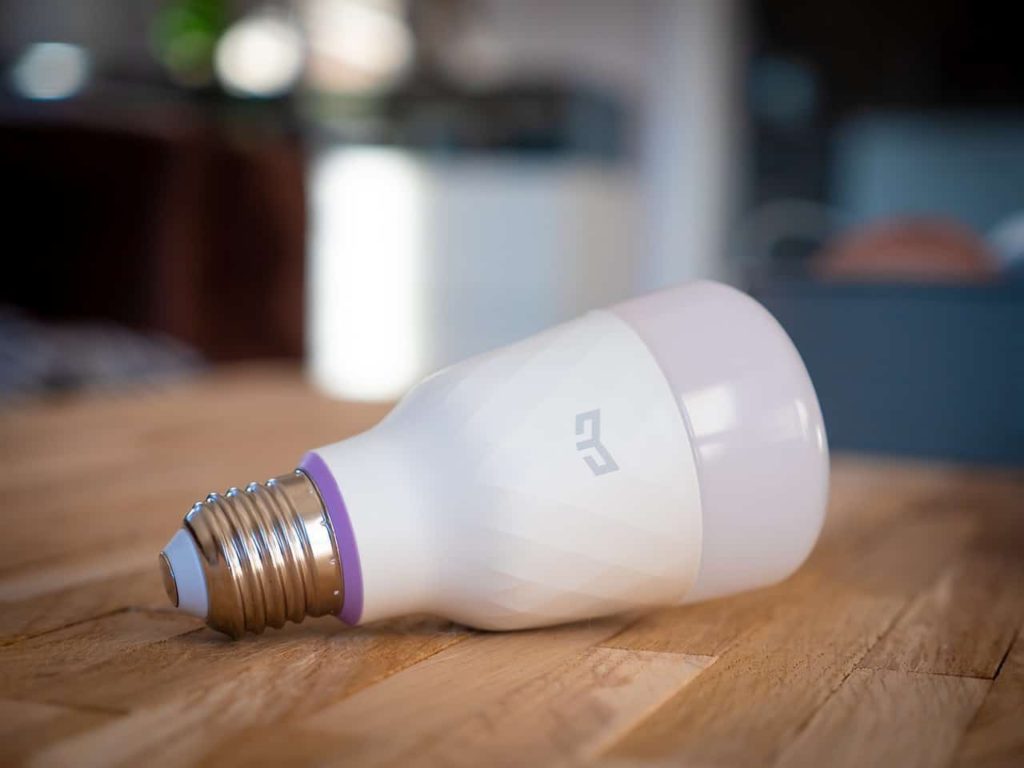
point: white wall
(678, 65)
(418, 263)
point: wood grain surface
(898, 643)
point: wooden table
(897, 644)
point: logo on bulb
(591, 442)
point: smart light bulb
(666, 450)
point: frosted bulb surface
(755, 428)
(666, 450)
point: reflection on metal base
(268, 555)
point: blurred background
(380, 188)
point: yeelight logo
(588, 426)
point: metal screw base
(268, 554)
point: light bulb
(665, 450)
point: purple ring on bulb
(317, 470)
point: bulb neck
(268, 554)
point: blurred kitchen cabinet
(163, 218)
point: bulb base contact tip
(167, 574)
(263, 556)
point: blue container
(922, 370)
